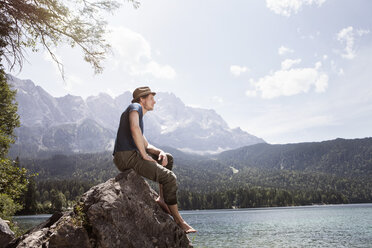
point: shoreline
(47, 215)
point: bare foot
(186, 227)
(163, 205)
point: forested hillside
(337, 171)
(340, 156)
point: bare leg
(161, 201)
(179, 220)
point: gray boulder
(6, 235)
(121, 212)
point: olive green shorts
(125, 160)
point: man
(132, 151)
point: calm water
(25, 222)
(313, 226)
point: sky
(287, 71)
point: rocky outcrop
(6, 235)
(121, 212)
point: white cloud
(71, 81)
(236, 70)
(134, 53)
(111, 92)
(361, 32)
(346, 36)
(288, 63)
(151, 67)
(288, 82)
(283, 50)
(287, 7)
(251, 93)
(217, 99)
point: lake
(309, 226)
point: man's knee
(169, 179)
(169, 166)
(173, 177)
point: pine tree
(13, 180)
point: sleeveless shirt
(124, 139)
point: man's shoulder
(134, 106)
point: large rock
(6, 235)
(121, 212)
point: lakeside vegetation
(50, 196)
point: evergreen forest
(262, 175)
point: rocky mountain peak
(20, 84)
(123, 100)
(49, 120)
(101, 97)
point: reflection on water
(25, 222)
(312, 226)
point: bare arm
(138, 138)
(150, 148)
(156, 151)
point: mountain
(351, 158)
(71, 124)
(340, 157)
(335, 171)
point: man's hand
(163, 158)
(148, 158)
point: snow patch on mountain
(70, 123)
